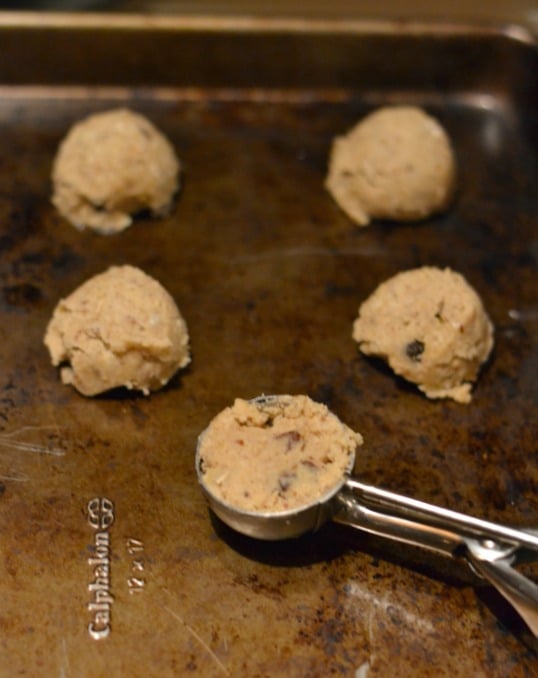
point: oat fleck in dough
(120, 328)
(276, 453)
(397, 164)
(432, 329)
(111, 166)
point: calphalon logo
(100, 518)
(100, 513)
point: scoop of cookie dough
(119, 328)
(275, 453)
(397, 163)
(110, 166)
(432, 329)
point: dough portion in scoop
(397, 164)
(119, 328)
(431, 327)
(275, 454)
(111, 166)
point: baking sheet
(269, 275)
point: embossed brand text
(100, 517)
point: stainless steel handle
(435, 516)
(350, 511)
(491, 549)
(521, 592)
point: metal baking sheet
(110, 563)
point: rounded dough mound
(397, 164)
(275, 453)
(432, 329)
(110, 166)
(120, 328)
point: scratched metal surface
(268, 274)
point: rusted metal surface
(268, 274)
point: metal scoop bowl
(490, 549)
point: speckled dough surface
(275, 454)
(397, 164)
(432, 329)
(110, 166)
(120, 328)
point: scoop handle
(427, 518)
(489, 548)
(520, 592)
(352, 510)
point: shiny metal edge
(217, 23)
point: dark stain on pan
(66, 261)
(255, 584)
(24, 295)
(19, 221)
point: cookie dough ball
(397, 164)
(275, 453)
(120, 328)
(111, 166)
(432, 329)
